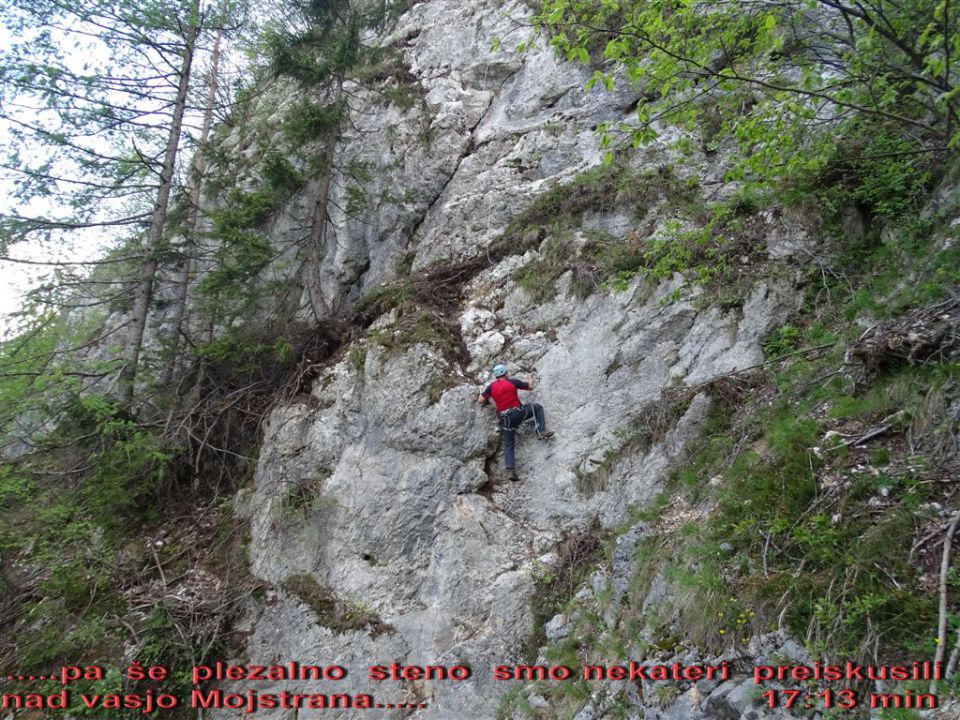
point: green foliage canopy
(770, 74)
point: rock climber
(512, 413)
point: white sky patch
(72, 246)
(75, 247)
(17, 279)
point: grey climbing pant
(512, 419)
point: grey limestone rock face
(384, 486)
(404, 513)
(488, 130)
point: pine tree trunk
(138, 320)
(318, 225)
(199, 164)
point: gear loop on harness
(507, 416)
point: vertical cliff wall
(381, 493)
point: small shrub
(880, 171)
(305, 496)
(648, 427)
(332, 612)
(579, 552)
(604, 187)
(357, 357)
(398, 296)
(784, 341)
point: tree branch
(944, 578)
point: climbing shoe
(546, 434)
(512, 475)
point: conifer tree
(319, 48)
(96, 95)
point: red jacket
(504, 393)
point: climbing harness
(506, 423)
(505, 418)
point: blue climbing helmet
(499, 370)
